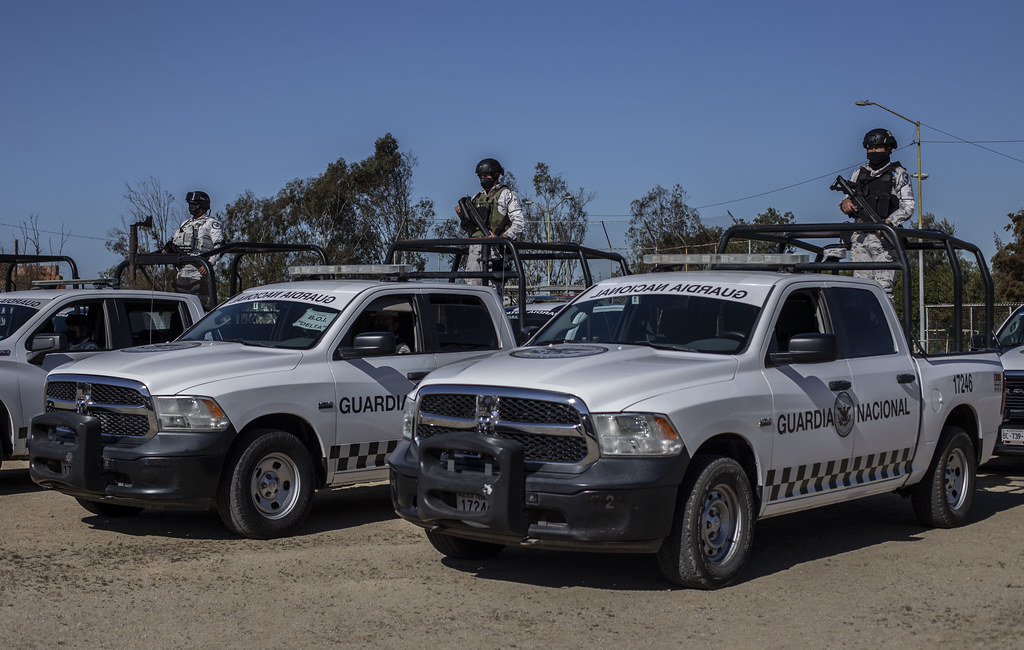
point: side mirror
(807, 348)
(526, 334)
(369, 344)
(43, 343)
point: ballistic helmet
(489, 166)
(202, 199)
(879, 138)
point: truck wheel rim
(956, 480)
(275, 485)
(719, 524)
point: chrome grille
(123, 407)
(550, 426)
(456, 406)
(1014, 392)
(62, 390)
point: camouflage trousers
(868, 247)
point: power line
(54, 232)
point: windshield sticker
(302, 296)
(20, 301)
(559, 352)
(750, 294)
(315, 320)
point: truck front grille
(552, 427)
(123, 407)
(1014, 387)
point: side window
(800, 314)
(394, 314)
(461, 323)
(84, 323)
(153, 321)
(865, 331)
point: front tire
(267, 486)
(944, 496)
(460, 548)
(107, 509)
(713, 529)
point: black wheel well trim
(7, 431)
(301, 429)
(964, 416)
(735, 446)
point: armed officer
(503, 209)
(199, 234)
(886, 186)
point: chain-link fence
(940, 335)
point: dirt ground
(858, 575)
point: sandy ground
(858, 575)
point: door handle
(417, 375)
(839, 384)
(905, 378)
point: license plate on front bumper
(470, 503)
(1012, 437)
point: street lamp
(920, 210)
(547, 219)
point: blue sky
(730, 99)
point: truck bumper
(1004, 449)
(615, 504)
(169, 470)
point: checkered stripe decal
(788, 482)
(363, 454)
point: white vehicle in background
(1010, 339)
(34, 337)
(665, 413)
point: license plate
(1012, 436)
(470, 503)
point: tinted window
(865, 330)
(394, 314)
(461, 323)
(13, 317)
(153, 321)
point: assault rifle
(472, 219)
(864, 209)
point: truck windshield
(12, 317)
(267, 323)
(692, 323)
(1011, 334)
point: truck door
(371, 389)
(810, 421)
(885, 388)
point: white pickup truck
(1010, 339)
(280, 390)
(665, 413)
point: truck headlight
(636, 434)
(409, 418)
(189, 413)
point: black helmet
(879, 138)
(200, 198)
(489, 166)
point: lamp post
(547, 222)
(920, 210)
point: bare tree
(147, 198)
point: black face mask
(878, 159)
(487, 182)
(195, 209)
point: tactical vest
(496, 221)
(877, 189)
